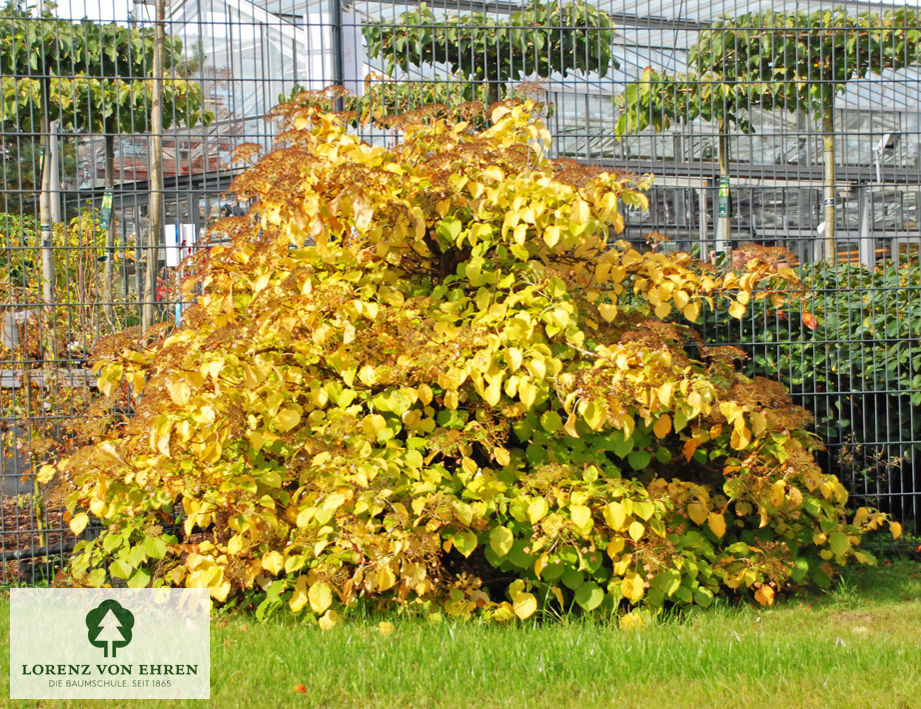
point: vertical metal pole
(54, 156)
(703, 224)
(866, 240)
(724, 196)
(46, 230)
(828, 191)
(155, 204)
(335, 11)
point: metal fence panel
(622, 86)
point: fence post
(155, 205)
(335, 11)
(46, 230)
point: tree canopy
(539, 40)
(795, 61)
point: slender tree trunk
(723, 223)
(828, 146)
(156, 171)
(110, 232)
(493, 93)
(46, 229)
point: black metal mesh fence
(798, 127)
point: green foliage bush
(421, 376)
(850, 353)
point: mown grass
(856, 645)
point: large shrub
(419, 374)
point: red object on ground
(300, 688)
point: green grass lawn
(857, 645)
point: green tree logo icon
(109, 626)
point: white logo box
(110, 643)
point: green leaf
(703, 596)
(465, 542)
(589, 595)
(501, 540)
(139, 579)
(622, 445)
(839, 543)
(639, 459)
(551, 421)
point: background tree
(804, 60)
(93, 78)
(658, 100)
(792, 61)
(538, 41)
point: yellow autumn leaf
(425, 394)
(580, 515)
(537, 508)
(765, 596)
(778, 493)
(367, 375)
(543, 561)
(45, 474)
(740, 438)
(385, 628)
(632, 621)
(493, 392)
(321, 597)
(615, 547)
(664, 393)
(697, 512)
(273, 562)
(681, 299)
(570, 425)
(636, 530)
(179, 391)
(299, 596)
(896, 529)
(608, 311)
(615, 515)
(286, 419)
(691, 311)
(662, 426)
(524, 605)
(737, 310)
(328, 620)
(717, 524)
(220, 590)
(594, 414)
(527, 392)
(211, 452)
(78, 523)
(552, 235)
(501, 540)
(385, 578)
(633, 587)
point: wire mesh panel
(793, 125)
